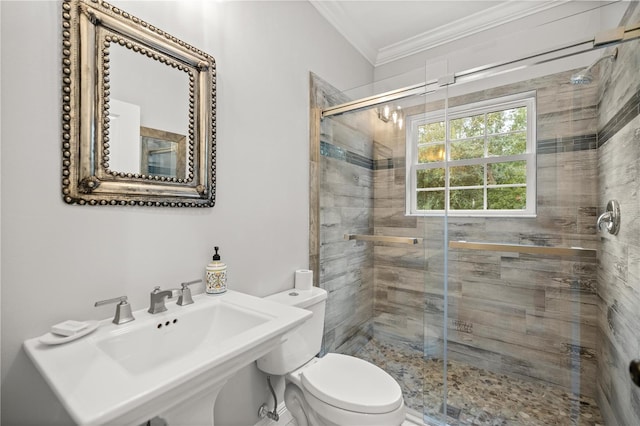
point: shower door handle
(634, 371)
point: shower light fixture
(388, 113)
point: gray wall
(619, 256)
(57, 260)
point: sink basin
(171, 364)
(145, 348)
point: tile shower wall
(530, 316)
(619, 259)
(345, 177)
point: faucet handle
(185, 295)
(123, 309)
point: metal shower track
(601, 40)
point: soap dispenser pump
(216, 275)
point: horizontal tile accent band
(546, 146)
(341, 154)
(383, 239)
(629, 111)
(567, 144)
(583, 253)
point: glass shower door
(519, 306)
(371, 254)
(457, 239)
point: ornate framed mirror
(138, 112)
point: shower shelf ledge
(383, 239)
(575, 252)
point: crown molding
(465, 27)
(334, 13)
(478, 22)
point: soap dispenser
(216, 275)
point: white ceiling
(384, 31)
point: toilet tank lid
(299, 298)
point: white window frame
(527, 100)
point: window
(475, 160)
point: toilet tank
(302, 343)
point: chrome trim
(185, 293)
(123, 309)
(580, 252)
(611, 218)
(383, 239)
(392, 95)
(158, 298)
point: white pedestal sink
(171, 364)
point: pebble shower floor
(477, 396)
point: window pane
(467, 127)
(509, 120)
(432, 178)
(507, 198)
(430, 153)
(466, 175)
(432, 132)
(507, 173)
(470, 148)
(430, 200)
(467, 199)
(511, 144)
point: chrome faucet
(158, 297)
(185, 293)
(123, 309)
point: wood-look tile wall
(342, 202)
(532, 316)
(619, 255)
(563, 321)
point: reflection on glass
(430, 200)
(161, 93)
(162, 153)
(161, 156)
(430, 153)
(510, 198)
(467, 199)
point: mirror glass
(149, 115)
(138, 113)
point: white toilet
(335, 390)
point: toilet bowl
(336, 389)
(343, 390)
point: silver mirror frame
(89, 28)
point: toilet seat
(351, 384)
